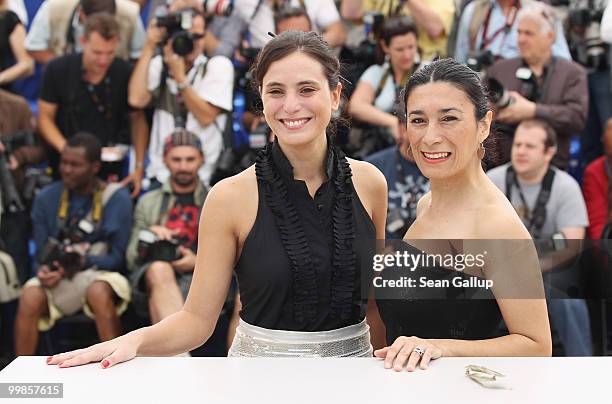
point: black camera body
(18, 139)
(150, 248)
(59, 250)
(499, 94)
(585, 23)
(480, 61)
(177, 25)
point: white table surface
(268, 380)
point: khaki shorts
(69, 296)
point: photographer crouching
(539, 85)
(186, 88)
(79, 226)
(161, 253)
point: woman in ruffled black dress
(290, 227)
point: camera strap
(70, 40)
(257, 7)
(385, 77)
(104, 108)
(536, 216)
(101, 196)
(510, 19)
(64, 207)
(163, 208)
(181, 111)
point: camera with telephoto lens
(222, 8)
(151, 248)
(12, 201)
(499, 94)
(63, 251)
(35, 180)
(16, 140)
(585, 21)
(177, 25)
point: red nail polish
(105, 364)
(49, 359)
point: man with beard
(78, 229)
(169, 214)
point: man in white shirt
(259, 14)
(193, 92)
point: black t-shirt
(80, 109)
(8, 22)
(183, 216)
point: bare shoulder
(423, 203)
(370, 184)
(233, 198)
(498, 219)
(367, 176)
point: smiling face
(298, 103)
(442, 129)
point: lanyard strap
(64, 207)
(536, 216)
(510, 18)
(385, 77)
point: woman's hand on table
(109, 353)
(408, 352)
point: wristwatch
(183, 85)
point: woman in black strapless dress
(448, 120)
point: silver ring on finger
(419, 350)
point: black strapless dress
(456, 312)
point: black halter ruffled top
(301, 264)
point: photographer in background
(19, 149)
(186, 88)
(433, 19)
(492, 25)
(589, 28)
(80, 234)
(161, 253)
(260, 14)
(88, 92)
(550, 204)
(539, 85)
(373, 103)
(59, 24)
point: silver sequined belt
(253, 341)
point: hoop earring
(481, 151)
